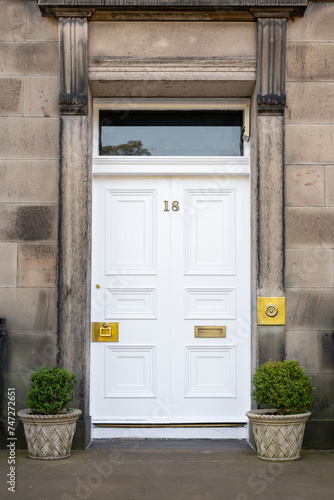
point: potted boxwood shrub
(279, 431)
(49, 424)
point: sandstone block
(28, 222)
(316, 24)
(33, 181)
(8, 264)
(29, 138)
(309, 309)
(326, 352)
(37, 265)
(318, 434)
(309, 102)
(189, 39)
(42, 349)
(303, 347)
(11, 91)
(308, 267)
(307, 61)
(12, 20)
(305, 185)
(309, 227)
(41, 96)
(37, 309)
(32, 58)
(309, 143)
(38, 27)
(330, 185)
(323, 396)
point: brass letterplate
(210, 331)
(105, 332)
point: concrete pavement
(169, 470)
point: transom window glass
(171, 133)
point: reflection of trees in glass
(131, 148)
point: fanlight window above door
(170, 133)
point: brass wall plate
(271, 310)
(105, 332)
(210, 332)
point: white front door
(171, 254)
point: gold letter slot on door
(105, 332)
(210, 331)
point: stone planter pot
(278, 437)
(49, 437)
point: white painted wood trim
(172, 165)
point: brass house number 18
(175, 206)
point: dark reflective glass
(171, 133)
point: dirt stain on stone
(34, 223)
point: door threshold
(210, 424)
(169, 431)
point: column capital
(72, 12)
(73, 39)
(271, 98)
(277, 13)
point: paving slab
(169, 470)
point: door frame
(173, 166)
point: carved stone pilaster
(271, 98)
(73, 37)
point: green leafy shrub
(51, 390)
(284, 386)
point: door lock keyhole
(271, 310)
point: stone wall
(29, 150)
(309, 188)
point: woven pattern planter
(49, 437)
(278, 437)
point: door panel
(130, 232)
(164, 269)
(210, 231)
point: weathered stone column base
(82, 436)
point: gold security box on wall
(105, 332)
(271, 310)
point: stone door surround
(75, 159)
